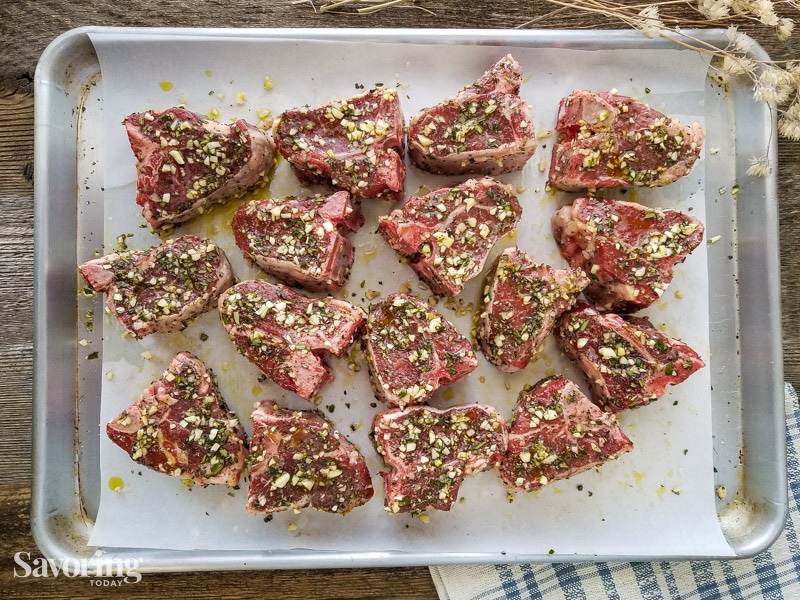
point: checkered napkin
(773, 574)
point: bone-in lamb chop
(486, 129)
(628, 250)
(298, 459)
(354, 144)
(521, 302)
(447, 234)
(162, 288)
(181, 426)
(186, 162)
(609, 140)
(300, 241)
(412, 350)
(627, 362)
(557, 432)
(431, 451)
(288, 335)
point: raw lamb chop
(355, 144)
(627, 362)
(615, 141)
(298, 459)
(300, 241)
(431, 451)
(628, 250)
(186, 162)
(412, 350)
(181, 426)
(556, 432)
(486, 129)
(448, 233)
(162, 288)
(288, 335)
(520, 306)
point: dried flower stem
(363, 7)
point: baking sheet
(664, 486)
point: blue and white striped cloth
(774, 574)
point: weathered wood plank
(16, 279)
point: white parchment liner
(656, 501)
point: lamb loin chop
(521, 303)
(557, 432)
(627, 362)
(181, 426)
(162, 288)
(628, 250)
(300, 241)
(448, 233)
(609, 140)
(355, 144)
(486, 129)
(412, 350)
(298, 459)
(287, 335)
(186, 162)
(431, 451)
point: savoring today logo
(104, 572)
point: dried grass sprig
(363, 7)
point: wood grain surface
(26, 27)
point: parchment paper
(657, 500)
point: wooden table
(26, 27)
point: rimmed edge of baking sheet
(748, 418)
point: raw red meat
(521, 302)
(628, 250)
(412, 350)
(287, 335)
(186, 162)
(627, 362)
(181, 426)
(300, 241)
(486, 129)
(448, 233)
(557, 432)
(609, 140)
(162, 288)
(298, 459)
(355, 144)
(431, 451)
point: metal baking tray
(746, 360)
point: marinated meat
(628, 250)
(412, 350)
(627, 362)
(298, 459)
(181, 426)
(608, 140)
(448, 233)
(300, 241)
(520, 305)
(486, 129)
(288, 335)
(162, 288)
(355, 144)
(557, 432)
(185, 162)
(431, 451)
